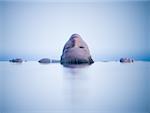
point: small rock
(17, 60)
(45, 61)
(126, 60)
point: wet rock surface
(76, 51)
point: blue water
(104, 87)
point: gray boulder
(76, 51)
(45, 61)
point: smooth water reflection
(109, 87)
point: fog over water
(32, 30)
(37, 29)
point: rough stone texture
(76, 51)
(44, 60)
(126, 60)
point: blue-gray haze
(33, 30)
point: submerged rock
(76, 51)
(126, 60)
(55, 61)
(45, 60)
(17, 60)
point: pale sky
(33, 30)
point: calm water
(104, 87)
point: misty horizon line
(95, 58)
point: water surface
(103, 87)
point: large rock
(76, 51)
